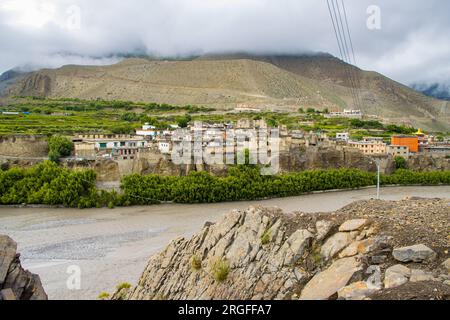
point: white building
(147, 131)
(164, 146)
(347, 113)
(342, 136)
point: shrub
(220, 270)
(196, 262)
(400, 162)
(59, 147)
(103, 296)
(123, 285)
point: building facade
(412, 142)
(370, 146)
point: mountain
(9, 78)
(277, 82)
(435, 90)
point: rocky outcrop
(37, 84)
(15, 282)
(262, 253)
(299, 158)
(429, 162)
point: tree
(184, 121)
(400, 162)
(59, 147)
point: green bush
(59, 147)
(400, 162)
(49, 184)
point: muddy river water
(106, 247)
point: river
(109, 246)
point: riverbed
(111, 246)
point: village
(223, 138)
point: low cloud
(411, 46)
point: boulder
(7, 295)
(353, 225)
(360, 247)
(420, 275)
(396, 275)
(336, 243)
(374, 280)
(15, 282)
(416, 253)
(356, 291)
(323, 228)
(8, 250)
(327, 283)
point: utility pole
(378, 163)
(378, 180)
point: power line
(346, 49)
(347, 53)
(358, 79)
(337, 32)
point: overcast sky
(412, 45)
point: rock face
(262, 253)
(15, 282)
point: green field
(74, 116)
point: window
(122, 144)
(102, 145)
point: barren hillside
(265, 82)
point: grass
(316, 254)
(103, 296)
(220, 269)
(123, 285)
(266, 237)
(196, 262)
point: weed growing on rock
(220, 270)
(196, 262)
(266, 237)
(103, 296)
(123, 285)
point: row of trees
(49, 184)
(246, 183)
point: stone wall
(23, 146)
